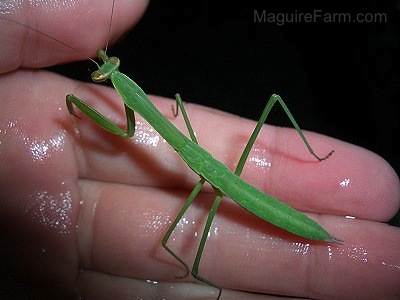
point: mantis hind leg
(192, 196)
(203, 240)
(164, 241)
(272, 100)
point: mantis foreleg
(101, 120)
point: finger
(242, 252)
(286, 172)
(352, 182)
(69, 22)
(100, 286)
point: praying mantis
(201, 162)
(223, 181)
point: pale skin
(131, 191)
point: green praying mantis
(209, 169)
(223, 181)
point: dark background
(341, 79)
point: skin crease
(83, 212)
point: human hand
(83, 213)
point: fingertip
(44, 35)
